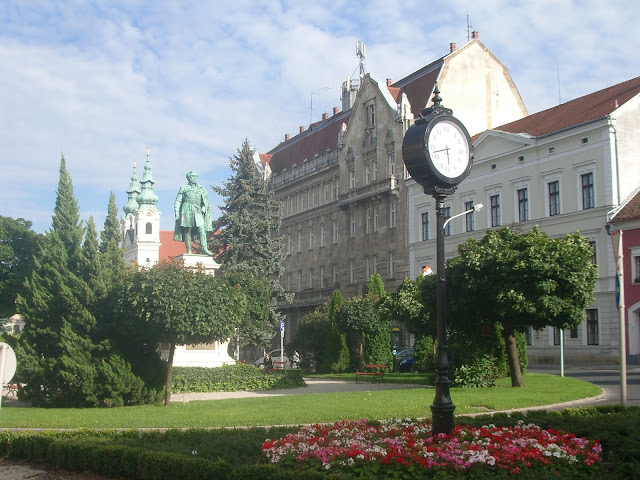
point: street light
(475, 208)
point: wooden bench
(277, 366)
(378, 371)
(11, 389)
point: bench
(277, 366)
(378, 371)
(11, 389)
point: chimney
(388, 82)
(335, 110)
(301, 128)
(325, 116)
(474, 35)
(286, 137)
(452, 47)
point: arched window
(149, 228)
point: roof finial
(147, 152)
(437, 99)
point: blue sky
(99, 81)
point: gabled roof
(576, 112)
(320, 137)
(630, 210)
(418, 86)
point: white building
(562, 169)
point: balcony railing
(310, 166)
(386, 185)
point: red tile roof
(170, 248)
(575, 112)
(631, 211)
(319, 138)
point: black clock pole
(442, 407)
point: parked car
(275, 357)
(404, 354)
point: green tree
(58, 360)
(111, 254)
(359, 319)
(246, 234)
(378, 344)
(520, 280)
(18, 245)
(179, 306)
(312, 334)
(336, 351)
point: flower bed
(373, 447)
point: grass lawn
(541, 389)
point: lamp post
(438, 154)
(442, 407)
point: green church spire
(148, 197)
(133, 192)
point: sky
(99, 81)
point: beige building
(342, 182)
(564, 169)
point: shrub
(483, 372)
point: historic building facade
(341, 183)
(565, 170)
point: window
(352, 271)
(528, 336)
(352, 179)
(367, 267)
(367, 174)
(148, 228)
(375, 219)
(425, 226)
(584, 140)
(447, 215)
(289, 244)
(469, 221)
(353, 225)
(392, 214)
(375, 170)
(556, 336)
(592, 327)
(554, 198)
(335, 273)
(335, 231)
(299, 241)
(392, 265)
(573, 333)
(289, 281)
(299, 280)
(323, 237)
(588, 198)
(523, 205)
(594, 260)
(327, 193)
(375, 264)
(636, 264)
(322, 276)
(494, 201)
(310, 238)
(372, 115)
(337, 187)
(392, 163)
(552, 150)
(367, 220)
(311, 278)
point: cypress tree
(111, 254)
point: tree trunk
(513, 361)
(167, 389)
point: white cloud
(100, 82)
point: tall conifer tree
(246, 235)
(111, 254)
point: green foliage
(521, 280)
(336, 358)
(483, 372)
(378, 349)
(311, 337)
(231, 378)
(375, 286)
(18, 245)
(425, 357)
(111, 254)
(414, 305)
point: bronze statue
(193, 214)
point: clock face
(449, 149)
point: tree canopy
(520, 280)
(18, 245)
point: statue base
(203, 355)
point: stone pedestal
(204, 355)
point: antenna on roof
(361, 53)
(469, 27)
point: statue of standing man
(193, 214)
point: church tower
(141, 223)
